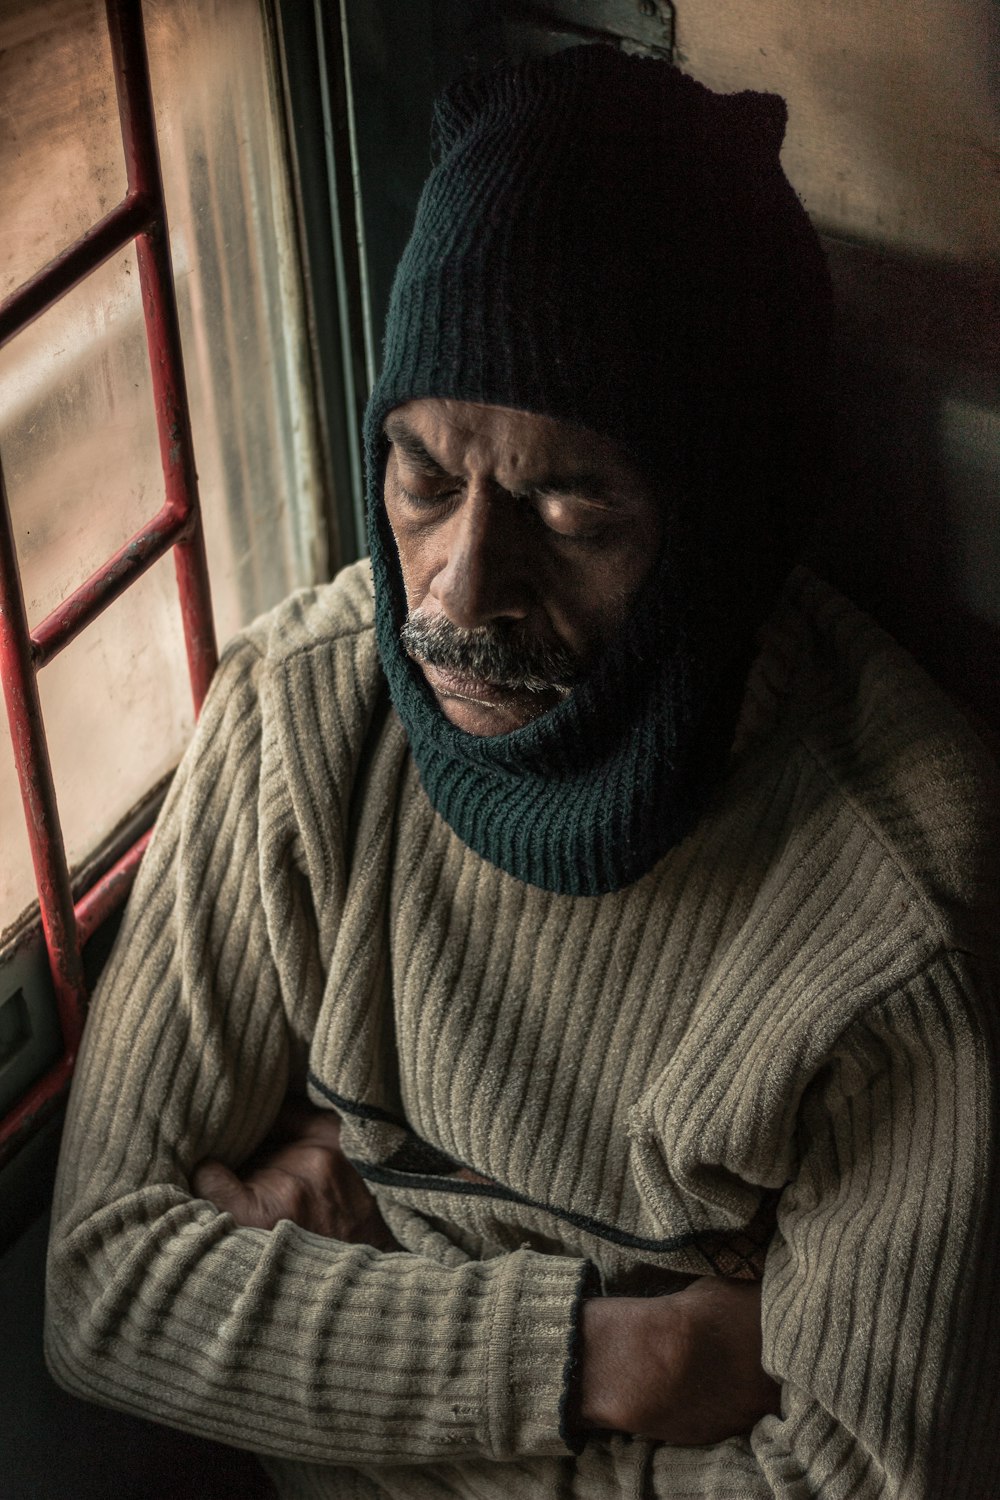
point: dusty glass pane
(117, 709)
(118, 713)
(79, 443)
(78, 433)
(242, 322)
(61, 161)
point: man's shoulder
(902, 763)
(310, 657)
(341, 611)
(307, 676)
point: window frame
(67, 922)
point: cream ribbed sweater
(777, 1052)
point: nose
(482, 576)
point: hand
(302, 1174)
(679, 1369)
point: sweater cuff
(534, 1355)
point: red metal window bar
(141, 217)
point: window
(79, 443)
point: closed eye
(424, 502)
(571, 519)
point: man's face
(522, 540)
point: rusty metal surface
(35, 1107)
(130, 217)
(138, 554)
(177, 524)
(196, 614)
(106, 895)
(34, 772)
(163, 337)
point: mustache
(501, 655)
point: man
(583, 915)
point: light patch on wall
(894, 114)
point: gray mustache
(495, 654)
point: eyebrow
(581, 484)
(407, 442)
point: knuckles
(306, 1179)
(310, 1184)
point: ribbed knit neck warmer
(604, 241)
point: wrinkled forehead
(515, 447)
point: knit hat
(605, 241)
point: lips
(475, 689)
(482, 707)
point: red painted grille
(140, 217)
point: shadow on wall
(914, 535)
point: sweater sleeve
(879, 1297)
(284, 1342)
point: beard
(504, 656)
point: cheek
(586, 602)
(413, 562)
(409, 567)
(591, 598)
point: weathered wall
(894, 146)
(894, 129)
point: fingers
(299, 1174)
(222, 1188)
(305, 1182)
(261, 1200)
(211, 1180)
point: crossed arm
(878, 1309)
(679, 1369)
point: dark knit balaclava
(605, 241)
